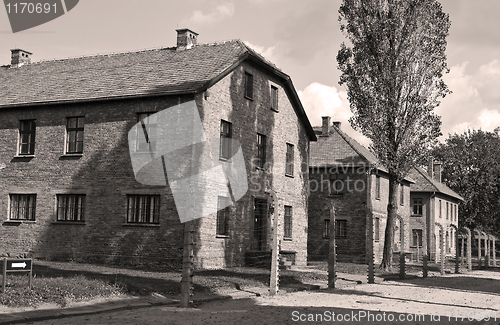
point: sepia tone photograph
(242, 161)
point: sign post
(15, 266)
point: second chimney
(434, 170)
(186, 39)
(19, 57)
(325, 126)
(337, 124)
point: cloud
(322, 100)
(221, 12)
(269, 53)
(475, 102)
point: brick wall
(352, 206)
(226, 101)
(104, 174)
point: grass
(59, 290)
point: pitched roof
(339, 149)
(153, 72)
(424, 183)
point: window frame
(376, 229)
(81, 208)
(419, 206)
(248, 85)
(326, 228)
(261, 150)
(76, 129)
(334, 178)
(340, 228)
(289, 159)
(402, 195)
(440, 209)
(447, 210)
(28, 210)
(31, 132)
(419, 238)
(222, 222)
(274, 98)
(146, 131)
(288, 223)
(225, 137)
(377, 187)
(135, 218)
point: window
(340, 228)
(27, 137)
(326, 229)
(274, 98)
(261, 150)
(402, 195)
(248, 85)
(377, 187)
(147, 140)
(440, 208)
(417, 237)
(376, 229)
(225, 142)
(417, 207)
(288, 222)
(22, 206)
(289, 159)
(223, 204)
(337, 183)
(143, 209)
(447, 211)
(70, 207)
(74, 135)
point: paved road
(453, 299)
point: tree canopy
(471, 167)
(393, 74)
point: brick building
(343, 171)
(434, 212)
(68, 189)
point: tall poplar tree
(393, 74)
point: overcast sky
(300, 37)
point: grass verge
(60, 290)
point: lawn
(62, 283)
(59, 291)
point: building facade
(68, 189)
(344, 172)
(434, 213)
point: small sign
(17, 265)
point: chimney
(430, 168)
(19, 57)
(337, 124)
(434, 170)
(325, 132)
(437, 171)
(186, 39)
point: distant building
(67, 188)
(434, 212)
(343, 171)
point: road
(452, 299)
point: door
(260, 224)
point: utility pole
(187, 265)
(332, 253)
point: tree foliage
(393, 75)
(471, 167)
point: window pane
(143, 208)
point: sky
(301, 37)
